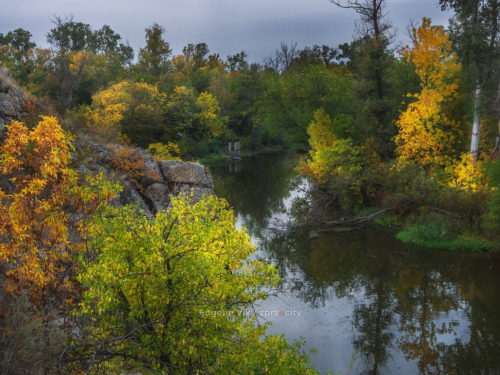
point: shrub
(130, 164)
(161, 151)
(198, 149)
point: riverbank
(424, 226)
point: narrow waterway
(367, 302)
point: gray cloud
(227, 26)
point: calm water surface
(367, 302)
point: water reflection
(257, 191)
(370, 304)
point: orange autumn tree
(37, 241)
(427, 133)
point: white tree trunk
(476, 127)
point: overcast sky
(227, 26)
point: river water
(367, 302)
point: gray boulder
(12, 98)
(187, 178)
(180, 172)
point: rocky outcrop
(12, 98)
(130, 195)
(153, 175)
(187, 178)
(184, 173)
(157, 181)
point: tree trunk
(476, 127)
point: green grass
(472, 243)
(432, 230)
(443, 233)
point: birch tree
(475, 31)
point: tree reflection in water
(427, 311)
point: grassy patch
(459, 243)
(438, 232)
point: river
(367, 302)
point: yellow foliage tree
(108, 106)
(212, 124)
(334, 162)
(466, 174)
(37, 249)
(147, 116)
(426, 132)
(127, 107)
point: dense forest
(406, 137)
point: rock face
(185, 173)
(12, 99)
(187, 178)
(157, 182)
(171, 177)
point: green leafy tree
(19, 54)
(104, 40)
(169, 294)
(318, 55)
(68, 35)
(180, 110)
(370, 59)
(20, 39)
(237, 62)
(245, 87)
(70, 42)
(153, 58)
(197, 54)
(288, 102)
(335, 163)
(85, 60)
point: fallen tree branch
(444, 212)
(357, 221)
